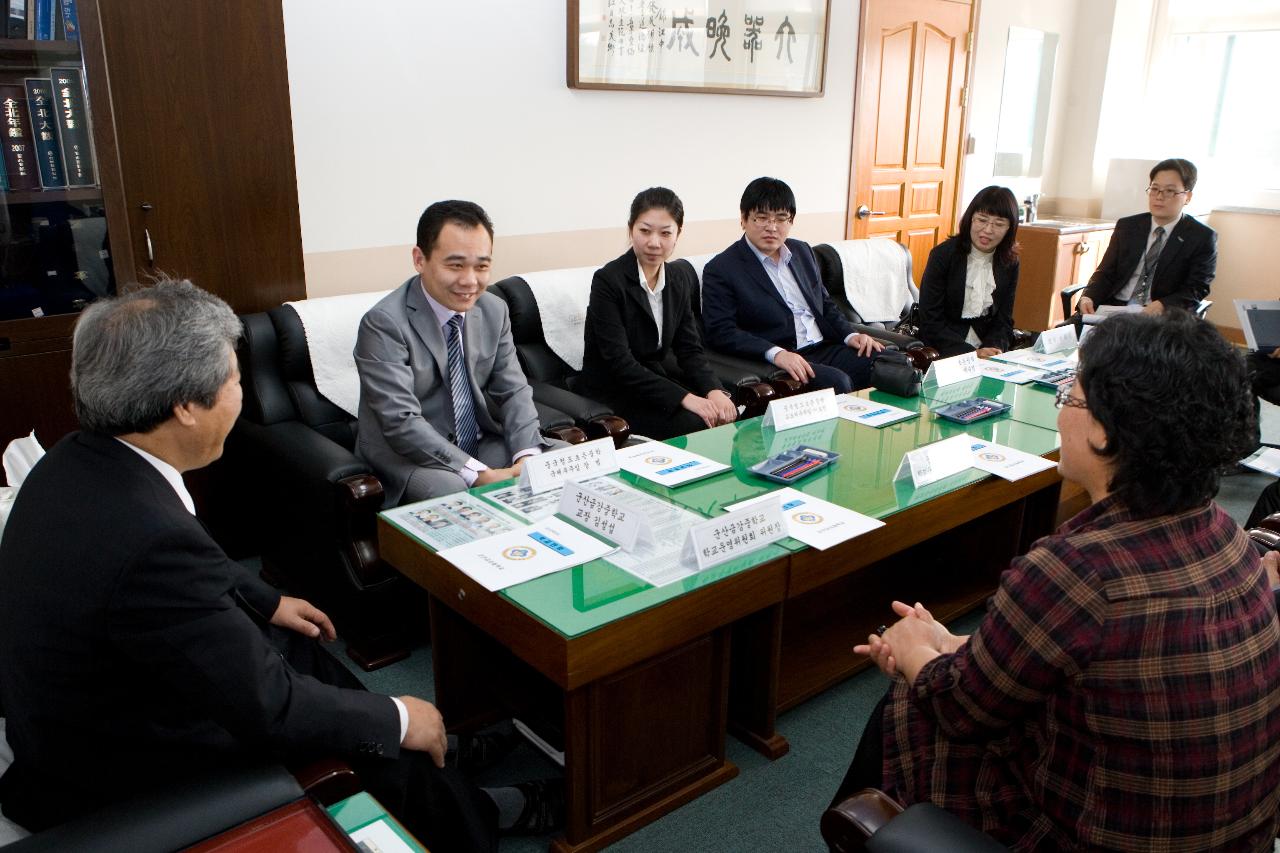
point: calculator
(972, 409)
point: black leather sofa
(307, 503)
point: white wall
(398, 103)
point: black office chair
(1069, 294)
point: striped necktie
(1142, 295)
(464, 413)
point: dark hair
(466, 214)
(1185, 168)
(993, 201)
(1173, 398)
(765, 195)
(657, 198)
(136, 356)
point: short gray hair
(136, 356)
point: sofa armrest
(902, 342)
(1066, 295)
(173, 816)
(307, 453)
(734, 370)
(582, 409)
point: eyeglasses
(995, 223)
(1064, 398)
(762, 220)
(1164, 192)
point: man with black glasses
(1160, 259)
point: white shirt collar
(443, 314)
(1168, 229)
(644, 282)
(168, 472)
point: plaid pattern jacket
(1122, 693)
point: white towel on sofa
(562, 297)
(331, 323)
(875, 278)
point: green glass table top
(1032, 403)
(862, 479)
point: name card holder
(801, 409)
(719, 540)
(545, 471)
(1056, 340)
(949, 371)
(933, 462)
(623, 526)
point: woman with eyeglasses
(1122, 691)
(643, 352)
(966, 293)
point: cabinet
(1056, 254)
(193, 141)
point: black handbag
(910, 324)
(893, 372)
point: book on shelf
(19, 150)
(73, 129)
(44, 132)
(70, 21)
(4, 185)
(44, 15)
(16, 21)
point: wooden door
(203, 146)
(912, 62)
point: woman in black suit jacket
(643, 353)
(966, 295)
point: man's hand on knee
(426, 729)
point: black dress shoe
(485, 749)
(543, 808)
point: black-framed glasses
(1064, 398)
(1164, 192)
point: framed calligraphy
(745, 47)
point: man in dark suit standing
(133, 651)
(444, 405)
(1161, 259)
(763, 298)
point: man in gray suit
(444, 405)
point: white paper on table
(869, 412)
(1102, 312)
(666, 465)
(526, 553)
(815, 522)
(450, 520)
(1264, 459)
(654, 559)
(1007, 462)
(1016, 374)
(933, 462)
(957, 368)
(379, 837)
(1038, 360)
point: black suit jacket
(744, 314)
(133, 650)
(623, 355)
(942, 301)
(1184, 269)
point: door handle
(863, 212)
(1084, 248)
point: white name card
(594, 511)
(545, 471)
(1056, 340)
(948, 371)
(801, 410)
(933, 462)
(721, 539)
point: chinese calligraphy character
(718, 29)
(752, 41)
(790, 32)
(680, 33)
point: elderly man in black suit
(763, 298)
(1161, 259)
(133, 649)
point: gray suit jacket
(406, 409)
